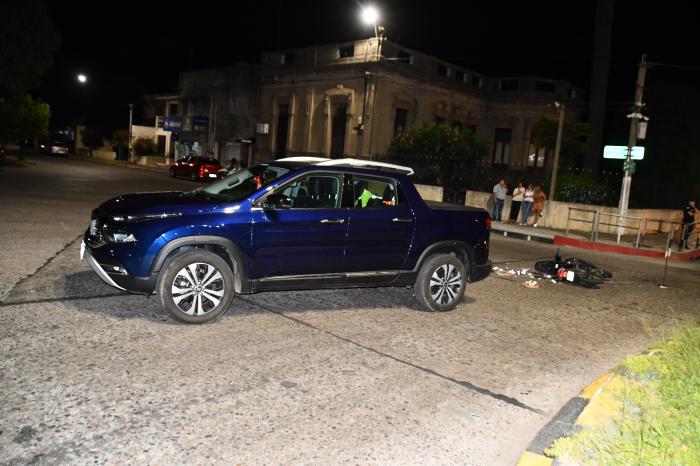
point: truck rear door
(381, 227)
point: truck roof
(348, 162)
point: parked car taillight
(487, 222)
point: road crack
(40, 268)
(463, 383)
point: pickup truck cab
(293, 223)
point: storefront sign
(172, 123)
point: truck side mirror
(277, 201)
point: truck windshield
(245, 182)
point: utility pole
(557, 149)
(634, 117)
(131, 142)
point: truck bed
(443, 206)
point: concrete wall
(152, 133)
(555, 215)
(430, 193)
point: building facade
(218, 107)
(351, 99)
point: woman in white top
(528, 199)
(515, 203)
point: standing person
(539, 200)
(518, 194)
(499, 198)
(688, 220)
(528, 199)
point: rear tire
(440, 283)
(194, 176)
(195, 287)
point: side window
(314, 192)
(374, 193)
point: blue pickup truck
(293, 223)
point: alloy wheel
(198, 288)
(445, 284)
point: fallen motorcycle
(573, 270)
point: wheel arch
(223, 247)
(462, 250)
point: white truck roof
(358, 163)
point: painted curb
(604, 247)
(562, 424)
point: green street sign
(620, 152)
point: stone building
(351, 99)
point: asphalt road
(89, 374)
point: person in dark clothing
(688, 221)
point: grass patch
(659, 418)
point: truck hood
(155, 203)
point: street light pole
(634, 117)
(131, 143)
(557, 150)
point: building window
(509, 85)
(404, 57)
(288, 58)
(477, 81)
(501, 147)
(346, 51)
(172, 109)
(460, 76)
(400, 120)
(537, 157)
(235, 105)
(544, 86)
(572, 93)
(443, 70)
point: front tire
(195, 287)
(440, 283)
(194, 176)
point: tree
(144, 146)
(120, 139)
(28, 39)
(446, 155)
(574, 143)
(92, 138)
(23, 119)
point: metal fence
(593, 221)
(622, 225)
(676, 231)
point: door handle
(401, 220)
(333, 220)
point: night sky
(131, 48)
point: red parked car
(196, 168)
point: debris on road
(571, 270)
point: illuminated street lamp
(82, 79)
(370, 15)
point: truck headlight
(120, 237)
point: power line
(679, 67)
